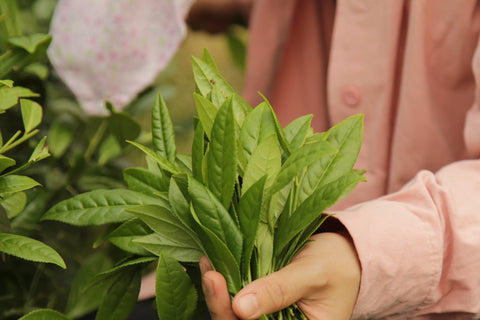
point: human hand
(323, 279)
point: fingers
(323, 279)
(205, 265)
(216, 292)
(271, 293)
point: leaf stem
(94, 143)
(12, 143)
(23, 167)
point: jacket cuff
(399, 241)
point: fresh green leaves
(9, 96)
(32, 114)
(14, 183)
(29, 249)
(212, 215)
(221, 156)
(162, 131)
(30, 43)
(176, 294)
(121, 297)
(99, 207)
(44, 314)
(23, 51)
(249, 196)
(170, 236)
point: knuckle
(276, 293)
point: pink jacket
(413, 69)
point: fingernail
(247, 305)
(207, 287)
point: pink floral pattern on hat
(110, 50)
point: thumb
(271, 293)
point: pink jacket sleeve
(419, 248)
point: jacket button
(351, 96)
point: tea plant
(84, 153)
(12, 185)
(248, 197)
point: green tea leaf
(38, 69)
(89, 182)
(318, 136)
(119, 269)
(240, 109)
(31, 114)
(176, 296)
(30, 43)
(216, 97)
(264, 244)
(167, 226)
(163, 135)
(213, 216)
(249, 209)
(121, 297)
(221, 157)
(82, 300)
(280, 203)
(207, 112)
(153, 166)
(198, 152)
(313, 207)
(29, 249)
(14, 24)
(193, 271)
(125, 235)
(5, 226)
(9, 96)
(296, 131)
(177, 196)
(6, 83)
(122, 125)
(296, 244)
(184, 162)
(281, 135)
(13, 203)
(265, 159)
(145, 181)
(99, 207)
(347, 137)
(27, 220)
(159, 244)
(109, 149)
(44, 314)
(220, 257)
(6, 162)
(206, 76)
(258, 125)
(40, 152)
(14, 183)
(60, 136)
(162, 162)
(302, 158)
